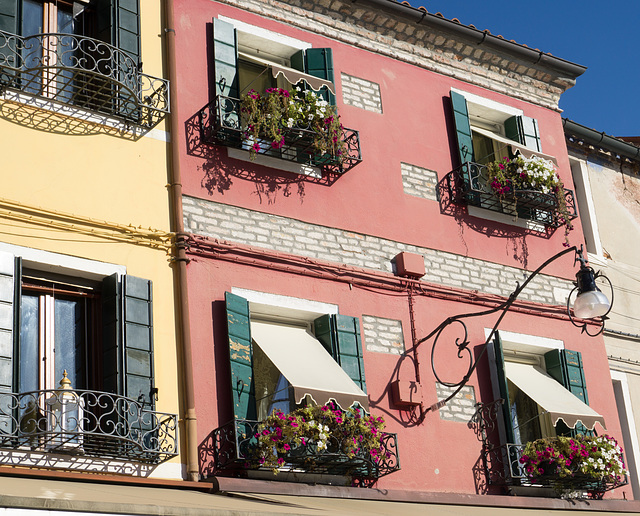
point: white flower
(322, 445)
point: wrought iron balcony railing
(82, 72)
(88, 423)
(502, 467)
(231, 449)
(221, 124)
(468, 184)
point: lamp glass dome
(590, 304)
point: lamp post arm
(463, 344)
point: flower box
(323, 444)
(276, 123)
(584, 463)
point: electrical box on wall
(410, 265)
(406, 393)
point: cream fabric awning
(551, 396)
(306, 365)
(292, 75)
(525, 151)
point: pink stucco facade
(370, 204)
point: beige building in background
(606, 174)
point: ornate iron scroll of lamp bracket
(590, 303)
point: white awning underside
(551, 396)
(306, 365)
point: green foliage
(276, 114)
(507, 176)
(597, 457)
(318, 430)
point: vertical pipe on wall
(180, 258)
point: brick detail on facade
(383, 335)
(254, 228)
(461, 408)
(361, 93)
(418, 181)
(391, 36)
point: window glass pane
(66, 23)
(32, 17)
(272, 388)
(253, 76)
(69, 341)
(525, 416)
(29, 341)
(483, 149)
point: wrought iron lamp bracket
(462, 342)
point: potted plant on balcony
(299, 118)
(582, 461)
(520, 178)
(310, 434)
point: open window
(274, 98)
(502, 168)
(86, 341)
(278, 363)
(543, 394)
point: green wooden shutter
(127, 27)
(340, 336)
(240, 357)
(9, 302)
(297, 61)
(127, 329)
(524, 130)
(112, 367)
(319, 63)
(463, 127)
(137, 319)
(565, 366)
(225, 56)
(9, 335)
(503, 387)
(8, 23)
(9, 16)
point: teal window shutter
(10, 280)
(9, 329)
(127, 27)
(297, 61)
(137, 298)
(127, 338)
(463, 127)
(340, 336)
(8, 23)
(225, 56)
(240, 357)
(319, 63)
(9, 16)
(565, 366)
(524, 130)
(112, 368)
(503, 388)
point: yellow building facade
(85, 240)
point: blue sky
(603, 36)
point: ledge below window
(468, 185)
(220, 124)
(84, 73)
